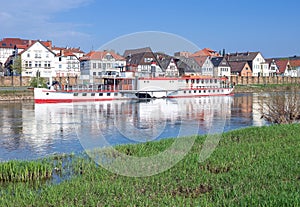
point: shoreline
(267, 151)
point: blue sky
(271, 27)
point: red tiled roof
(68, 49)
(206, 52)
(11, 42)
(295, 63)
(200, 60)
(99, 55)
(282, 65)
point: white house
(259, 65)
(96, 63)
(37, 59)
(207, 68)
(221, 67)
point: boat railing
(83, 87)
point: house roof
(216, 61)
(200, 60)
(99, 55)
(12, 42)
(282, 64)
(206, 52)
(295, 62)
(136, 51)
(244, 56)
(68, 49)
(34, 42)
(237, 66)
(138, 59)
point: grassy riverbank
(250, 167)
(17, 93)
(258, 88)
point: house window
(28, 55)
(94, 73)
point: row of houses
(41, 58)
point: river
(30, 131)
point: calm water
(29, 131)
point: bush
(281, 108)
(38, 82)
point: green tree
(17, 67)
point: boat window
(190, 91)
(199, 91)
(115, 94)
(75, 94)
(84, 94)
(47, 94)
(187, 80)
(198, 81)
(216, 81)
(213, 91)
(100, 94)
(92, 94)
(211, 80)
(184, 91)
(208, 91)
(195, 91)
(202, 81)
(204, 91)
(108, 94)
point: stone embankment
(16, 95)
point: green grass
(250, 167)
(255, 88)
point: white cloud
(33, 19)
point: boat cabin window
(100, 94)
(108, 94)
(47, 94)
(195, 91)
(198, 81)
(187, 80)
(92, 94)
(84, 94)
(202, 81)
(75, 94)
(115, 94)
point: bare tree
(281, 108)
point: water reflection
(31, 130)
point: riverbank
(265, 88)
(16, 94)
(250, 167)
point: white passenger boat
(136, 88)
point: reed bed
(23, 171)
(250, 167)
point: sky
(270, 27)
